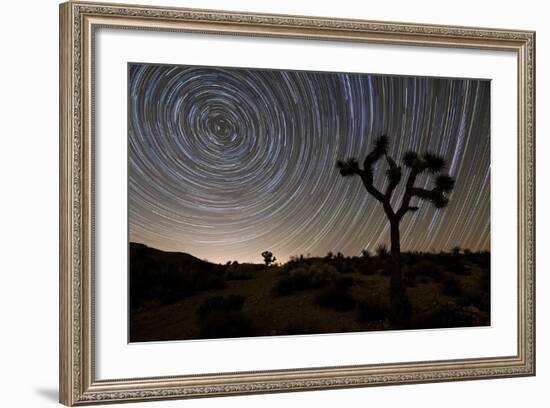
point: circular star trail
(225, 163)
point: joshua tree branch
(366, 177)
(409, 189)
(394, 177)
(350, 167)
(421, 192)
(436, 195)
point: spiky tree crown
(427, 162)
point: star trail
(224, 163)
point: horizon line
(306, 256)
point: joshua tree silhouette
(268, 257)
(438, 196)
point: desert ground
(175, 296)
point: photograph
(268, 202)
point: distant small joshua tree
(438, 195)
(268, 258)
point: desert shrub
(321, 272)
(365, 253)
(368, 266)
(302, 279)
(206, 281)
(367, 271)
(229, 303)
(373, 308)
(407, 258)
(476, 296)
(454, 264)
(338, 299)
(221, 316)
(240, 272)
(427, 268)
(448, 315)
(345, 266)
(292, 265)
(413, 257)
(382, 251)
(284, 286)
(224, 324)
(305, 277)
(460, 268)
(451, 285)
(291, 282)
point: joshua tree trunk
(397, 293)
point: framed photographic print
(260, 203)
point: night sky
(224, 163)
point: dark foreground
(175, 296)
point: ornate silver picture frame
(79, 383)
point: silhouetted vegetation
(336, 298)
(177, 296)
(446, 315)
(305, 277)
(382, 251)
(222, 316)
(236, 271)
(373, 308)
(268, 258)
(451, 284)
